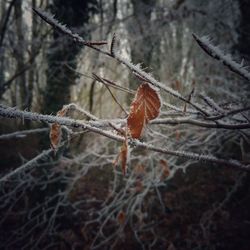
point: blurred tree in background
(62, 53)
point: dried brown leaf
(145, 107)
(123, 156)
(56, 131)
(121, 217)
(55, 135)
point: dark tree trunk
(31, 75)
(244, 33)
(63, 52)
(244, 30)
(19, 54)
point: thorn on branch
(112, 46)
(114, 98)
(140, 77)
(189, 99)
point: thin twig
(63, 29)
(114, 98)
(212, 124)
(44, 155)
(217, 54)
(210, 102)
(226, 114)
(23, 133)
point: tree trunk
(244, 30)
(19, 54)
(244, 33)
(33, 39)
(143, 41)
(63, 53)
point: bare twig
(62, 28)
(189, 99)
(23, 133)
(73, 106)
(217, 54)
(114, 98)
(44, 155)
(231, 112)
(189, 120)
(210, 102)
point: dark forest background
(75, 199)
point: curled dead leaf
(123, 156)
(55, 135)
(145, 107)
(56, 131)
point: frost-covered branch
(210, 102)
(229, 113)
(149, 78)
(23, 133)
(134, 68)
(217, 54)
(198, 157)
(44, 155)
(205, 124)
(48, 18)
(14, 113)
(73, 106)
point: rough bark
(63, 52)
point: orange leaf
(62, 112)
(145, 107)
(123, 156)
(55, 135)
(121, 217)
(56, 132)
